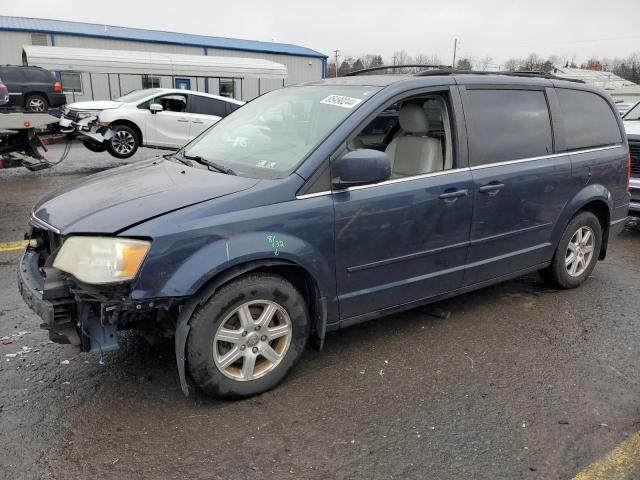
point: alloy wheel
(37, 105)
(252, 340)
(580, 251)
(123, 142)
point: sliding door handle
(491, 187)
(454, 194)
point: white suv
(156, 117)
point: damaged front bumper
(88, 128)
(45, 291)
(86, 316)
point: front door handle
(491, 187)
(197, 121)
(183, 120)
(454, 194)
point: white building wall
(11, 44)
(300, 69)
(110, 44)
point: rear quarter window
(507, 125)
(11, 74)
(589, 121)
(209, 106)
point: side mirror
(155, 108)
(360, 167)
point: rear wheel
(577, 253)
(124, 143)
(36, 103)
(247, 337)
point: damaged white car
(156, 117)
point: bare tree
(401, 57)
(512, 64)
(485, 63)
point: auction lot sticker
(341, 101)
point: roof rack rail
(511, 73)
(395, 67)
(448, 70)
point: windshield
(137, 95)
(271, 135)
(633, 113)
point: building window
(71, 82)
(227, 87)
(150, 82)
(39, 39)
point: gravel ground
(520, 382)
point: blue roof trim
(155, 36)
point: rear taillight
(57, 87)
(628, 170)
(3, 88)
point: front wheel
(246, 338)
(94, 146)
(577, 253)
(124, 143)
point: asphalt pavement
(522, 381)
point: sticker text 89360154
(341, 101)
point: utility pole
(455, 48)
(336, 52)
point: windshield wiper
(209, 163)
(179, 158)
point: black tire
(557, 274)
(36, 103)
(208, 318)
(94, 147)
(122, 134)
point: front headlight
(101, 260)
(83, 115)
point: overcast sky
(501, 29)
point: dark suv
(32, 88)
(320, 206)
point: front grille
(74, 115)
(634, 149)
(71, 115)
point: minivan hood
(113, 200)
(95, 105)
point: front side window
(271, 135)
(506, 125)
(415, 133)
(172, 103)
(71, 82)
(588, 119)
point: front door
(520, 185)
(401, 242)
(171, 126)
(405, 240)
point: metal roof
(156, 36)
(602, 79)
(121, 61)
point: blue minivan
(327, 204)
